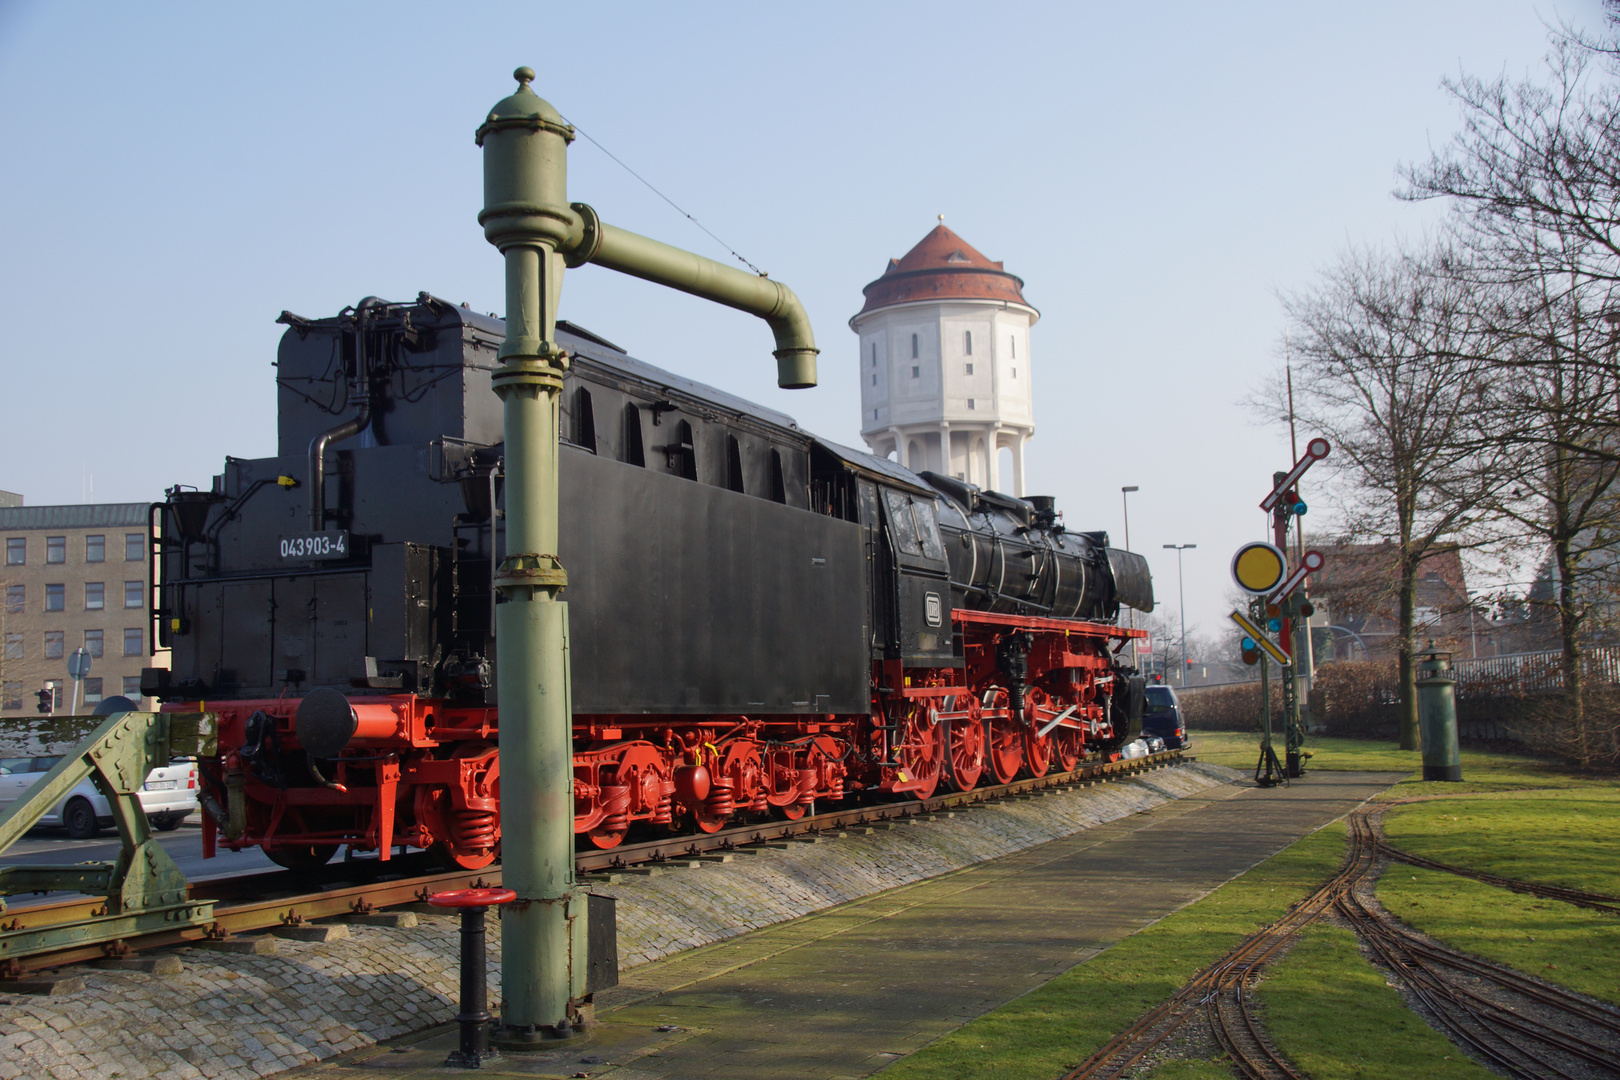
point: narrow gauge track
(262, 901)
(1527, 1029)
(1598, 901)
(1522, 1026)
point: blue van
(1161, 716)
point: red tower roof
(943, 266)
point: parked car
(1161, 716)
(169, 794)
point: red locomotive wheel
(1069, 746)
(922, 751)
(964, 741)
(1037, 748)
(1004, 738)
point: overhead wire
(666, 198)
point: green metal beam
(143, 887)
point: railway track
(1524, 1027)
(265, 901)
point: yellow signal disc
(1258, 568)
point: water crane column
(528, 217)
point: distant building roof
(72, 516)
(10, 498)
(943, 266)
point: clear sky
(174, 175)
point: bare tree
(1392, 357)
(1534, 180)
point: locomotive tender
(760, 618)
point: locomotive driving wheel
(964, 741)
(1037, 747)
(920, 748)
(1068, 744)
(1003, 736)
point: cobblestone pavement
(239, 1016)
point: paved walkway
(845, 992)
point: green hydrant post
(527, 217)
(1437, 715)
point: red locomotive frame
(425, 773)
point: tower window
(970, 404)
(1014, 343)
(967, 342)
(914, 346)
(874, 354)
(970, 369)
(916, 371)
(874, 380)
(1015, 373)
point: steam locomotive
(760, 619)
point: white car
(169, 794)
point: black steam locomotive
(760, 618)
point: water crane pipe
(619, 249)
(528, 217)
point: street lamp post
(1125, 500)
(1181, 593)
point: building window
(16, 598)
(970, 404)
(874, 414)
(55, 597)
(1013, 342)
(95, 549)
(14, 646)
(55, 644)
(134, 547)
(1015, 373)
(914, 346)
(916, 371)
(94, 643)
(874, 354)
(134, 641)
(874, 380)
(134, 594)
(967, 342)
(56, 549)
(11, 696)
(95, 595)
(16, 550)
(132, 687)
(92, 691)
(970, 369)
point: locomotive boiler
(761, 619)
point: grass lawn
(1326, 1007)
(1332, 1014)
(1483, 770)
(1056, 1026)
